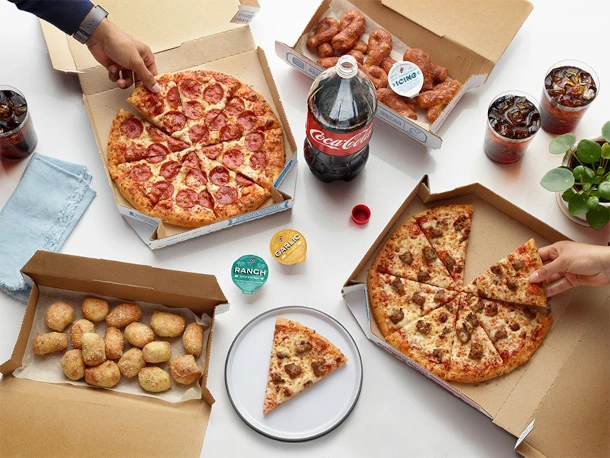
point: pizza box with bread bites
(560, 396)
(200, 34)
(40, 418)
(468, 38)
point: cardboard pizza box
(41, 419)
(198, 34)
(560, 397)
(466, 37)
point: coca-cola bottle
(340, 109)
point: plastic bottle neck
(347, 67)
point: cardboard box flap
(199, 292)
(484, 27)
(161, 24)
(149, 427)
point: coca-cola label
(334, 143)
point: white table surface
(399, 412)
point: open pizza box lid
(208, 34)
(38, 419)
(561, 395)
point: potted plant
(583, 179)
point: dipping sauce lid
(288, 247)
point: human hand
(569, 264)
(125, 58)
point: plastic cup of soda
(569, 88)
(513, 119)
(17, 135)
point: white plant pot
(563, 205)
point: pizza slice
(396, 301)
(247, 111)
(408, 254)
(447, 228)
(232, 193)
(163, 108)
(203, 95)
(258, 156)
(516, 332)
(187, 201)
(132, 140)
(144, 184)
(429, 339)
(507, 280)
(473, 357)
(300, 357)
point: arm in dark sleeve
(66, 15)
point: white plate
(317, 410)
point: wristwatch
(90, 23)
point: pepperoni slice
(212, 151)
(259, 161)
(173, 98)
(233, 158)
(211, 115)
(213, 93)
(176, 145)
(235, 106)
(174, 121)
(194, 109)
(132, 128)
(226, 195)
(156, 135)
(187, 198)
(161, 191)
(199, 134)
(156, 149)
(255, 141)
(219, 175)
(191, 160)
(134, 153)
(170, 169)
(155, 159)
(205, 200)
(190, 88)
(140, 172)
(218, 123)
(247, 120)
(153, 104)
(231, 132)
(242, 180)
(195, 177)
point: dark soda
(568, 91)
(340, 111)
(17, 136)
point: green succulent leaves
(562, 144)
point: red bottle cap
(361, 214)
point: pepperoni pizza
(211, 149)
(446, 328)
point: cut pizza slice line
(395, 301)
(408, 254)
(447, 228)
(516, 332)
(473, 357)
(247, 111)
(300, 357)
(187, 201)
(507, 280)
(232, 193)
(204, 96)
(163, 108)
(144, 183)
(132, 139)
(428, 340)
(258, 156)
